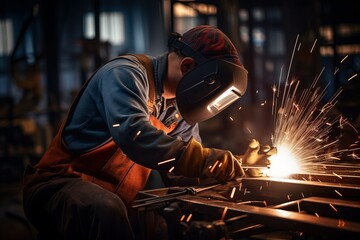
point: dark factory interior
(48, 50)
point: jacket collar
(160, 66)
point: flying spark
(337, 175)
(189, 217)
(136, 135)
(213, 167)
(332, 206)
(224, 213)
(338, 193)
(344, 59)
(232, 192)
(304, 127)
(167, 161)
(353, 76)
(313, 46)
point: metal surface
(322, 204)
(278, 218)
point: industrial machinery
(323, 204)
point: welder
(134, 114)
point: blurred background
(48, 49)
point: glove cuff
(191, 160)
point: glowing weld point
(283, 163)
(338, 193)
(189, 217)
(317, 215)
(182, 218)
(232, 192)
(353, 76)
(224, 213)
(337, 175)
(171, 169)
(166, 161)
(116, 125)
(333, 207)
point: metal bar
(281, 219)
(340, 177)
(171, 196)
(288, 189)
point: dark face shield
(210, 88)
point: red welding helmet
(218, 79)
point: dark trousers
(70, 208)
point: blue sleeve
(124, 92)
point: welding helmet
(218, 79)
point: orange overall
(106, 165)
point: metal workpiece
(261, 208)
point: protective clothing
(218, 78)
(115, 108)
(196, 161)
(253, 156)
(106, 164)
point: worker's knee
(111, 208)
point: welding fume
(134, 114)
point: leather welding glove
(197, 161)
(252, 156)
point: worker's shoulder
(125, 61)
